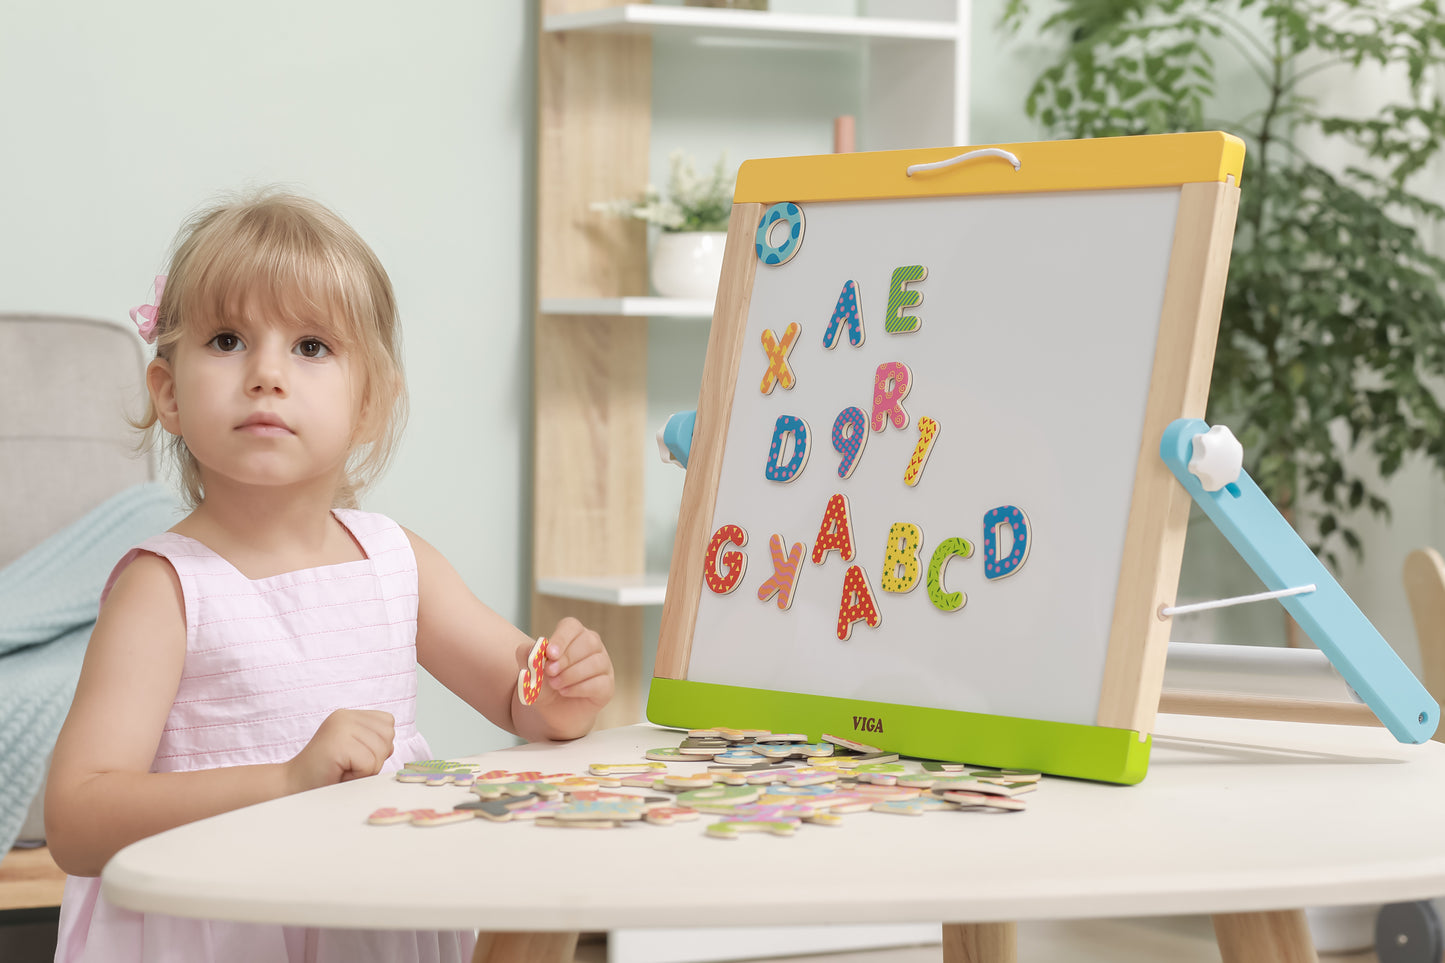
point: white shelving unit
(748, 24)
(629, 307)
(912, 66)
(646, 589)
(595, 121)
(624, 590)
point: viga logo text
(867, 724)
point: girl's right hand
(349, 744)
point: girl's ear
(161, 383)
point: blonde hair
(298, 261)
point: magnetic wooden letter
(778, 371)
(857, 604)
(849, 311)
(734, 563)
(786, 568)
(948, 548)
(836, 532)
(995, 567)
(850, 434)
(890, 387)
(927, 435)
(900, 563)
(899, 297)
(787, 425)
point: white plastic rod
(1167, 610)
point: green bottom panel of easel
(1057, 748)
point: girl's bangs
(265, 278)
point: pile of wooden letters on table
(754, 780)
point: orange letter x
(778, 371)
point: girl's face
(260, 402)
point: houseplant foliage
(693, 217)
(692, 203)
(1333, 326)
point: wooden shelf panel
(630, 307)
(608, 589)
(755, 24)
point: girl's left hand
(578, 666)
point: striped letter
(786, 569)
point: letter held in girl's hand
(529, 680)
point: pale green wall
(412, 120)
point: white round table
(1244, 819)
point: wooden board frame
(1206, 167)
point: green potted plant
(692, 218)
(1333, 329)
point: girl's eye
(312, 348)
(226, 342)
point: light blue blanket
(49, 598)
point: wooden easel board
(1068, 313)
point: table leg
(525, 948)
(980, 943)
(1281, 936)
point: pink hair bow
(145, 315)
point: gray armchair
(65, 447)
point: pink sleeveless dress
(266, 661)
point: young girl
(268, 643)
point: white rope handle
(967, 155)
(1167, 610)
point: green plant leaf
(1332, 318)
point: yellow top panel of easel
(1064, 165)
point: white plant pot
(687, 264)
